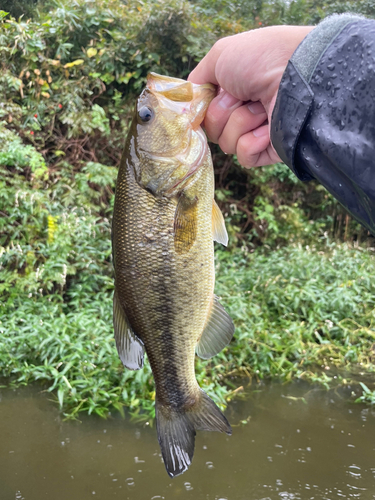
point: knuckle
(220, 44)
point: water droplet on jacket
(331, 67)
(329, 85)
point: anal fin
(129, 346)
(219, 232)
(217, 333)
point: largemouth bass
(165, 220)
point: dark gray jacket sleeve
(323, 124)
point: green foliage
(298, 308)
(368, 396)
(70, 76)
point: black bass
(165, 220)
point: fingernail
(226, 100)
(256, 108)
(261, 131)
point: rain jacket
(323, 123)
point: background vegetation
(70, 72)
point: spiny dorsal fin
(129, 347)
(219, 233)
(185, 224)
(217, 333)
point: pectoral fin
(129, 346)
(219, 233)
(185, 224)
(218, 331)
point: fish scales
(164, 264)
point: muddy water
(319, 447)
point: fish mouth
(181, 92)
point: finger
(254, 148)
(205, 71)
(218, 114)
(242, 120)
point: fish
(164, 223)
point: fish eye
(146, 114)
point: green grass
(298, 312)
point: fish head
(169, 143)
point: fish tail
(177, 428)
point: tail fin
(177, 428)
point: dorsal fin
(217, 333)
(129, 346)
(219, 232)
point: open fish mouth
(183, 96)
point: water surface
(320, 447)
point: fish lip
(154, 79)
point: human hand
(248, 68)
